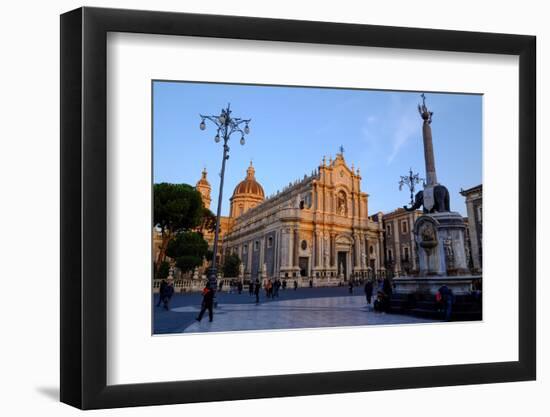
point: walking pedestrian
(276, 286)
(167, 293)
(350, 286)
(368, 291)
(207, 303)
(250, 287)
(284, 284)
(295, 285)
(161, 291)
(257, 290)
(240, 287)
(268, 288)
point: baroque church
(317, 227)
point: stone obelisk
(429, 159)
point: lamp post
(410, 182)
(225, 125)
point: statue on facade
(342, 209)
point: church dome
(249, 186)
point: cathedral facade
(317, 227)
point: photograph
(297, 207)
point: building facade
(317, 227)
(474, 209)
(400, 251)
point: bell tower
(203, 187)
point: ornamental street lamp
(225, 125)
(410, 182)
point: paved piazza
(304, 308)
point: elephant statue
(441, 201)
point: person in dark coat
(388, 290)
(207, 303)
(250, 287)
(167, 293)
(276, 287)
(368, 291)
(295, 285)
(350, 286)
(161, 291)
(240, 287)
(257, 286)
(447, 299)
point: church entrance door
(343, 264)
(303, 265)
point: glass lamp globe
(202, 125)
(246, 129)
(242, 140)
(217, 138)
(222, 119)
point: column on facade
(262, 253)
(473, 234)
(317, 238)
(397, 245)
(290, 252)
(412, 249)
(361, 252)
(380, 250)
(288, 248)
(313, 262)
(365, 242)
(275, 250)
(332, 250)
(249, 253)
(357, 251)
(296, 246)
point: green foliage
(177, 207)
(208, 221)
(231, 266)
(163, 270)
(188, 263)
(188, 250)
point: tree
(208, 223)
(176, 208)
(231, 265)
(163, 270)
(188, 250)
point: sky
(292, 128)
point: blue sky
(292, 128)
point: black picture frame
(84, 207)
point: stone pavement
(305, 308)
